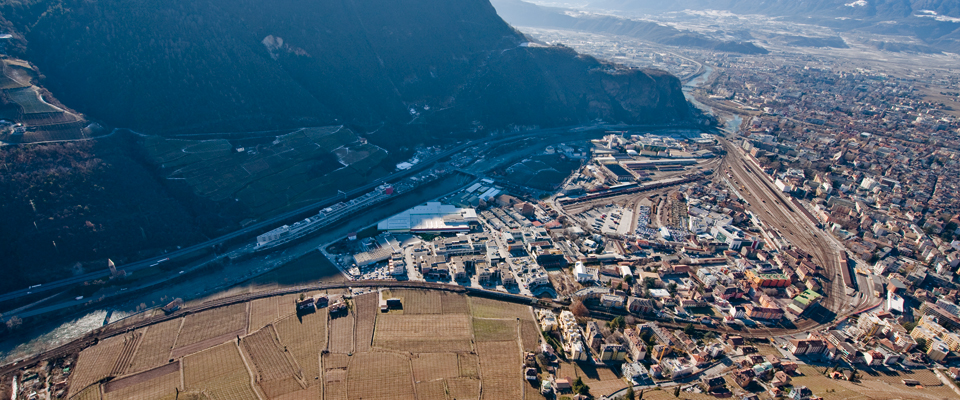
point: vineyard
(277, 372)
(424, 333)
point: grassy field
(262, 313)
(486, 308)
(277, 372)
(95, 363)
(423, 333)
(155, 346)
(29, 100)
(500, 370)
(379, 375)
(435, 366)
(200, 331)
(368, 306)
(489, 330)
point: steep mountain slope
(188, 66)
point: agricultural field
(208, 328)
(435, 366)
(424, 333)
(602, 381)
(263, 312)
(29, 100)
(367, 306)
(432, 390)
(160, 383)
(277, 372)
(130, 343)
(490, 330)
(379, 375)
(335, 384)
(95, 363)
(341, 332)
(305, 337)
(155, 346)
(452, 303)
(469, 365)
(419, 301)
(500, 370)
(219, 372)
(487, 308)
(463, 388)
(275, 173)
(878, 386)
(529, 336)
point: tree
(617, 323)
(580, 388)
(921, 343)
(689, 330)
(578, 309)
(630, 394)
(672, 288)
(13, 323)
(676, 392)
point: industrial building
(432, 217)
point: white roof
(432, 216)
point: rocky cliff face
(187, 66)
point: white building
(432, 217)
(581, 274)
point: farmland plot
(494, 329)
(464, 388)
(423, 333)
(435, 366)
(487, 308)
(219, 372)
(154, 384)
(95, 363)
(155, 346)
(305, 338)
(500, 370)
(379, 375)
(277, 372)
(335, 384)
(452, 303)
(335, 361)
(210, 328)
(432, 390)
(469, 365)
(419, 301)
(263, 312)
(367, 309)
(341, 334)
(529, 335)
(130, 343)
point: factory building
(432, 217)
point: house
(637, 305)
(530, 374)
(743, 377)
(562, 385)
(635, 344)
(712, 384)
(780, 379)
(593, 336)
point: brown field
(435, 366)
(95, 363)
(262, 313)
(277, 372)
(155, 388)
(500, 370)
(469, 365)
(431, 390)
(219, 372)
(90, 393)
(464, 388)
(335, 361)
(305, 339)
(209, 328)
(486, 308)
(335, 384)
(130, 343)
(452, 303)
(423, 333)
(287, 304)
(875, 386)
(602, 381)
(368, 306)
(419, 301)
(341, 334)
(529, 336)
(155, 346)
(491, 330)
(379, 375)
(311, 392)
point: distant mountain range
(522, 13)
(935, 22)
(186, 66)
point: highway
(304, 211)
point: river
(224, 282)
(731, 121)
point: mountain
(184, 66)
(522, 13)
(935, 22)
